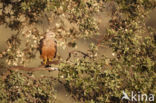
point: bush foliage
(17, 88)
(94, 78)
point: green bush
(93, 79)
(132, 69)
(19, 88)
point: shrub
(19, 88)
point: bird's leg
(50, 59)
(45, 60)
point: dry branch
(70, 54)
(29, 69)
(32, 69)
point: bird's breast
(48, 49)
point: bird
(48, 47)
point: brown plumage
(48, 48)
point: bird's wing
(41, 45)
(55, 49)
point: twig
(70, 53)
(32, 69)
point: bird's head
(50, 34)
